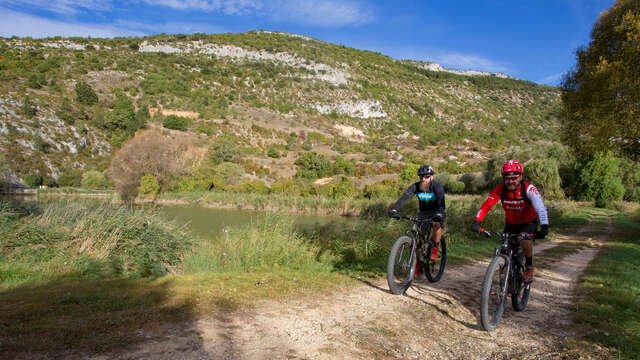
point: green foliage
(272, 152)
(28, 109)
(177, 122)
(409, 174)
(312, 165)
(75, 241)
(93, 179)
(386, 189)
(251, 186)
(223, 148)
(85, 94)
(231, 173)
(122, 116)
(71, 178)
(601, 95)
(343, 166)
(65, 112)
(544, 174)
(599, 180)
(630, 179)
(450, 184)
(149, 186)
(32, 180)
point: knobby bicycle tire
(491, 303)
(434, 269)
(520, 294)
(401, 265)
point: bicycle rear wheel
(520, 294)
(492, 302)
(401, 265)
(435, 268)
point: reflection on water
(207, 222)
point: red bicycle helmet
(512, 166)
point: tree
(599, 179)
(122, 116)
(93, 179)
(601, 95)
(150, 153)
(312, 165)
(85, 94)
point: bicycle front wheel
(435, 268)
(401, 265)
(520, 294)
(493, 298)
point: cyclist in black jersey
(431, 201)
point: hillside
(276, 94)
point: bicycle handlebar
(414, 219)
(490, 233)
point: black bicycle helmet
(425, 170)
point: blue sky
(533, 40)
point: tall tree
(601, 96)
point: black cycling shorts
(529, 228)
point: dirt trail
(438, 321)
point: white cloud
(470, 62)
(170, 27)
(322, 12)
(310, 12)
(229, 7)
(19, 24)
(64, 7)
(553, 80)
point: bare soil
(433, 320)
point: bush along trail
(273, 291)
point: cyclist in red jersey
(523, 207)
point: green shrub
(251, 186)
(599, 179)
(176, 122)
(223, 148)
(544, 174)
(231, 173)
(409, 174)
(312, 165)
(32, 180)
(630, 179)
(450, 184)
(343, 187)
(386, 189)
(149, 186)
(272, 152)
(85, 94)
(71, 178)
(343, 166)
(93, 179)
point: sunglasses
(425, 176)
(511, 178)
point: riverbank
(61, 285)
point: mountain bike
(504, 276)
(413, 248)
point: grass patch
(609, 294)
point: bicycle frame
(415, 234)
(508, 250)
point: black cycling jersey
(430, 201)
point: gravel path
(438, 321)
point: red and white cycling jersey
(517, 209)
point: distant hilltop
(437, 67)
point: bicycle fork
(507, 267)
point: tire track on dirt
(436, 320)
